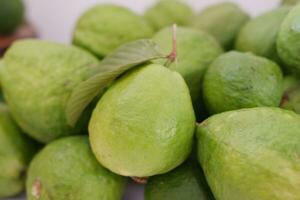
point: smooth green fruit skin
(185, 182)
(259, 34)
(16, 151)
(66, 169)
(288, 40)
(167, 12)
(11, 15)
(223, 21)
(144, 124)
(103, 28)
(196, 51)
(241, 80)
(251, 154)
(37, 80)
(290, 2)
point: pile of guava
(193, 106)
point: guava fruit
(16, 151)
(290, 2)
(196, 50)
(66, 169)
(259, 34)
(241, 80)
(144, 124)
(11, 15)
(167, 12)
(251, 154)
(185, 182)
(291, 96)
(223, 21)
(288, 40)
(37, 80)
(103, 28)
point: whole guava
(223, 21)
(144, 124)
(16, 151)
(288, 40)
(290, 2)
(241, 80)
(103, 28)
(195, 52)
(167, 12)
(11, 15)
(251, 154)
(185, 182)
(37, 80)
(259, 35)
(66, 169)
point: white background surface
(55, 19)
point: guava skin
(184, 182)
(291, 97)
(251, 154)
(259, 35)
(167, 12)
(66, 169)
(288, 40)
(16, 151)
(105, 27)
(196, 50)
(144, 124)
(241, 80)
(37, 80)
(223, 21)
(11, 15)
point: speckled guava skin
(241, 80)
(290, 2)
(167, 12)
(251, 154)
(37, 80)
(288, 40)
(105, 27)
(16, 151)
(144, 124)
(66, 169)
(223, 21)
(259, 35)
(196, 50)
(185, 182)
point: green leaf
(124, 58)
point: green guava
(259, 34)
(288, 40)
(11, 15)
(291, 97)
(16, 151)
(144, 124)
(167, 12)
(290, 2)
(196, 50)
(37, 80)
(185, 182)
(241, 80)
(103, 28)
(66, 169)
(223, 21)
(251, 154)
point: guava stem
(173, 55)
(141, 180)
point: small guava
(144, 123)
(241, 80)
(223, 21)
(37, 79)
(16, 151)
(105, 27)
(167, 12)
(66, 169)
(259, 35)
(185, 182)
(251, 154)
(11, 15)
(196, 50)
(288, 40)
